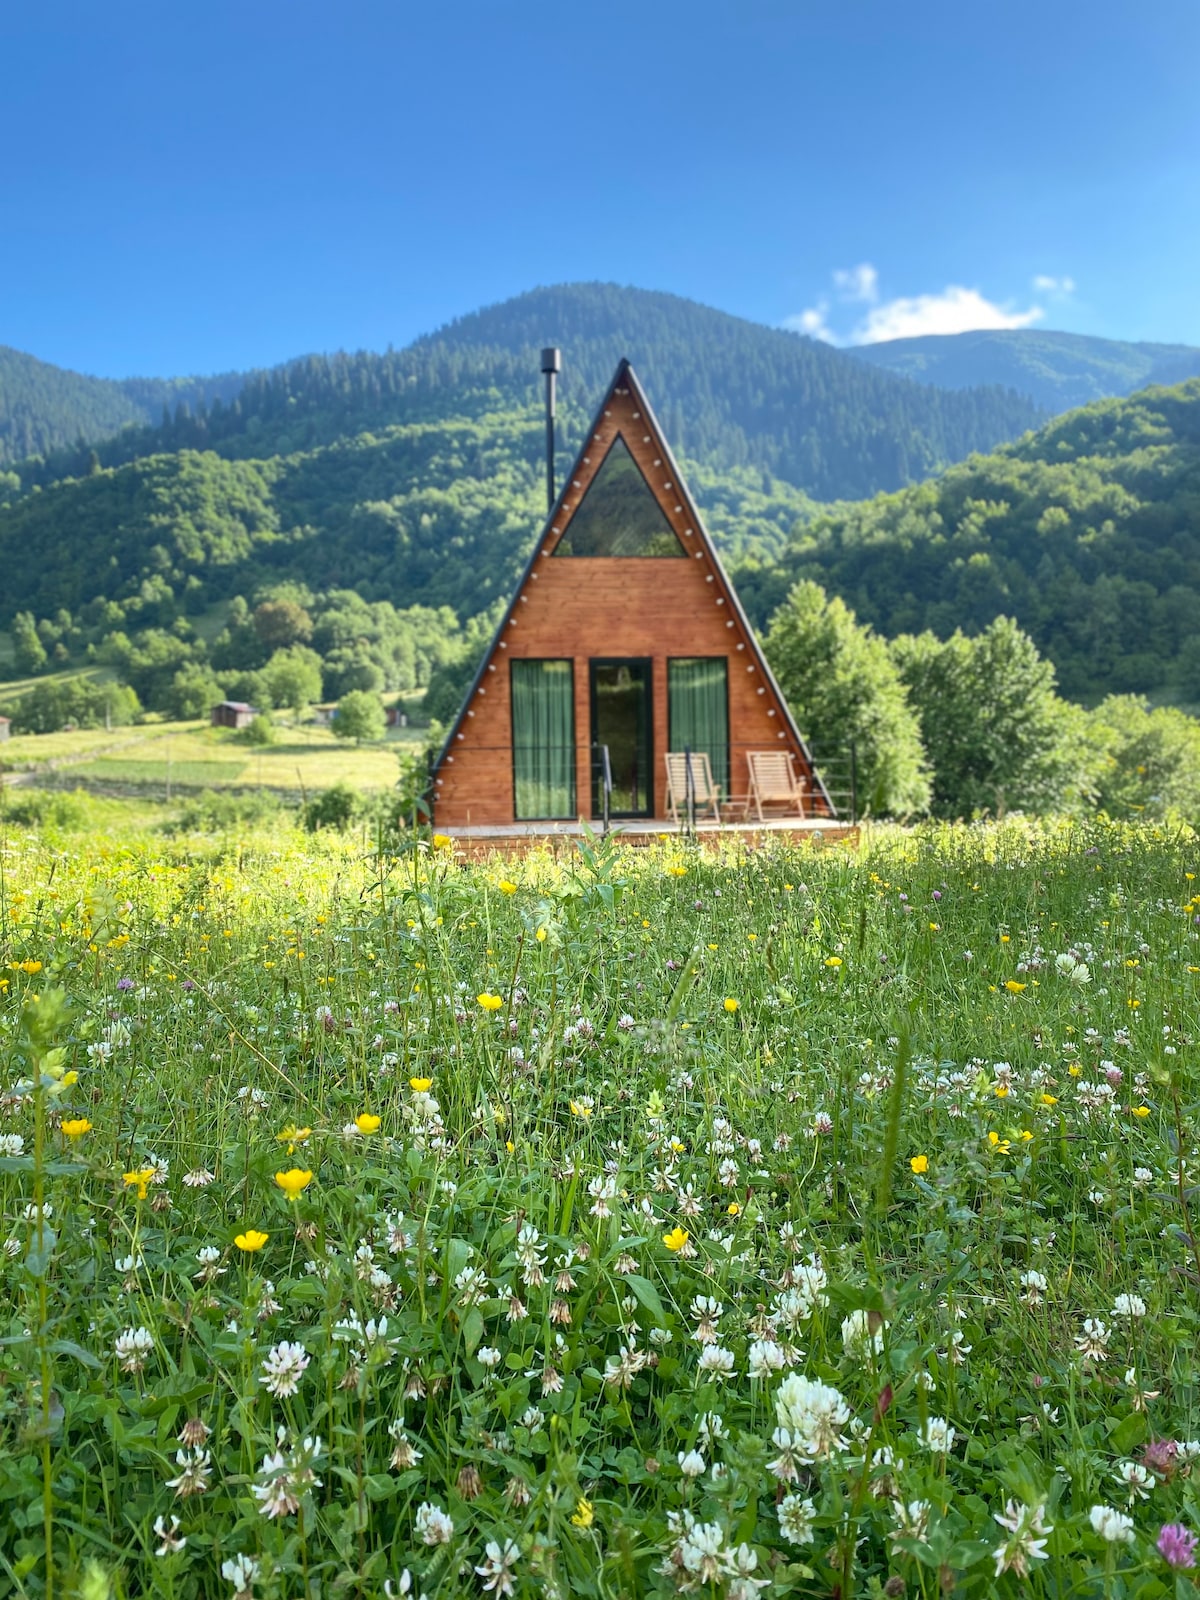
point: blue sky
(193, 187)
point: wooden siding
(580, 608)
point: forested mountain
(730, 394)
(1056, 370)
(431, 512)
(415, 479)
(1087, 533)
(44, 409)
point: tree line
(972, 726)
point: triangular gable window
(618, 515)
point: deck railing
(836, 767)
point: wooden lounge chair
(773, 782)
(705, 794)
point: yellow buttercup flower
(676, 1239)
(420, 1085)
(76, 1127)
(141, 1179)
(1141, 1111)
(367, 1122)
(1001, 1091)
(999, 1144)
(506, 887)
(292, 1136)
(1049, 1100)
(919, 1164)
(251, 1240)
(584, 1514)
(678, 870)
(833, 961)
(490, 1002)
(731, 1004)
(293, 1183)
(733, 1209)
(1013, 986)
(443, 841)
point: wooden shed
(232, 714)
(624, 643)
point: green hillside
(1087, 533)
(435, 513)
(730, 393)
(45, 409)
(1056, 370)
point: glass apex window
(618, 515)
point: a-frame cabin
(625, 637)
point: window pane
(543, 713)
(698, 702)
(619, 515)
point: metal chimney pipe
(551, 366)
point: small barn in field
(232, 714)
(624, 671)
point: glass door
(621, 712)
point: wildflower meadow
(622, 1223)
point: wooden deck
(519, 838)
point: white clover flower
(132, 1347)
(195, 1466)
(691, 1463)
(169, 1537)
(241, 1572)
(1138, 1480)
(1028, 1532)
(911, 1518)
(12, 1144)
(499, 1560)
(283, 1368)
(1092, 1343)
(937, 1436)
(814, 1412)
(1112, 1525)
(700, 1552)
(716, 1361)
(488, 1357)
(796, 1519)
(1129, 1305)
(765, 1357)
(433, 1525)
(712, 1429)
(858, 1339)
(1034, 1284)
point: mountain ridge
(1059, 371)
(730, 392)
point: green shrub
(332, 808)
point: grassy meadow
(631, 1223)
(167, 757)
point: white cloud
(813, 322)
(1044, 284)
(955, 310)
(857, 283)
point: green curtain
(543, 711)
(698, 694)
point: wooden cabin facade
(624, 641)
